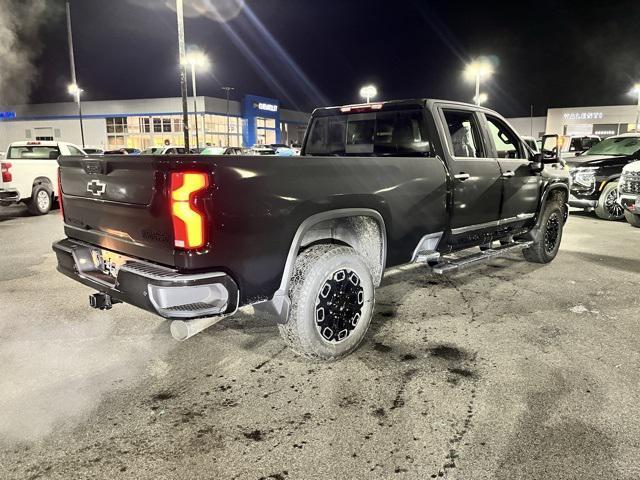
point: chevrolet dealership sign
(268, 107)
(584, 116)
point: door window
(464, 134)
(73, 150)
(506, 142)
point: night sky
(311, 53)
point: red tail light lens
(188, 222)
(6, 174)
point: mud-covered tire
(550, 230)
(607, 208)
(41, 200)
(632, 218)
(317, 284)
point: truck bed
(253, 207)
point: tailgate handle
(93, 167)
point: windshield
(38, 152)
(213, 151)
(616, 146)
(153, 151)
(369, 134)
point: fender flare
(545, 194)
(280, 303)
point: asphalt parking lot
(507, 371)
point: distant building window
(117, 125)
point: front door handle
(508, 174)
(462, 176)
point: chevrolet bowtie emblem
(96, 187)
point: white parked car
(629, 192)
(30, 173)
(165, 150)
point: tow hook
(102, 301)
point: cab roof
(41, 143)
(390, 105)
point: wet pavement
(510, 370)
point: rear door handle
(508, 174)
(462, 176)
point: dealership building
(153, 122)
(601, 121)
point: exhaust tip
(180, 330)
(184, 329)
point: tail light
(188, 222)
(60, 192)
(6, 174)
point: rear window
(38, 152)
(391, 133)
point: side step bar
(449, 266)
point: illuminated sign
(269, 107)
(5, 115)
(584, 116)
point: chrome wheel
(612, 206)
(44, 200)
(339, 305)
(551, 233)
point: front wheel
(608, 207)
(332, 299)
(546, 242)
(41, 200)
(632, 218)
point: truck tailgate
(120, 203)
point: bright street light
(481, 98)
(196, 58)
(477, 71)
(368, 92)
(75, 90)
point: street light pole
(228, 89)
(477, 97)
(477, 71)
(80, 115)
(183, 73)
(72, 64)
(195, 101)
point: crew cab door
(520, 186)
(477, 186)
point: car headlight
(584, 176)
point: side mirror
(550, 149)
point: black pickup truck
(595, 175)
(306, 239)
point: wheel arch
(45, 181)
(363, 229)
(553, 192)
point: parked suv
(30, 173)
(595, 174)
(307, 239)
(629, 192)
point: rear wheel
(608, 207)
(41, 200)
(632, 218)
(548, 237)
(332, 299)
